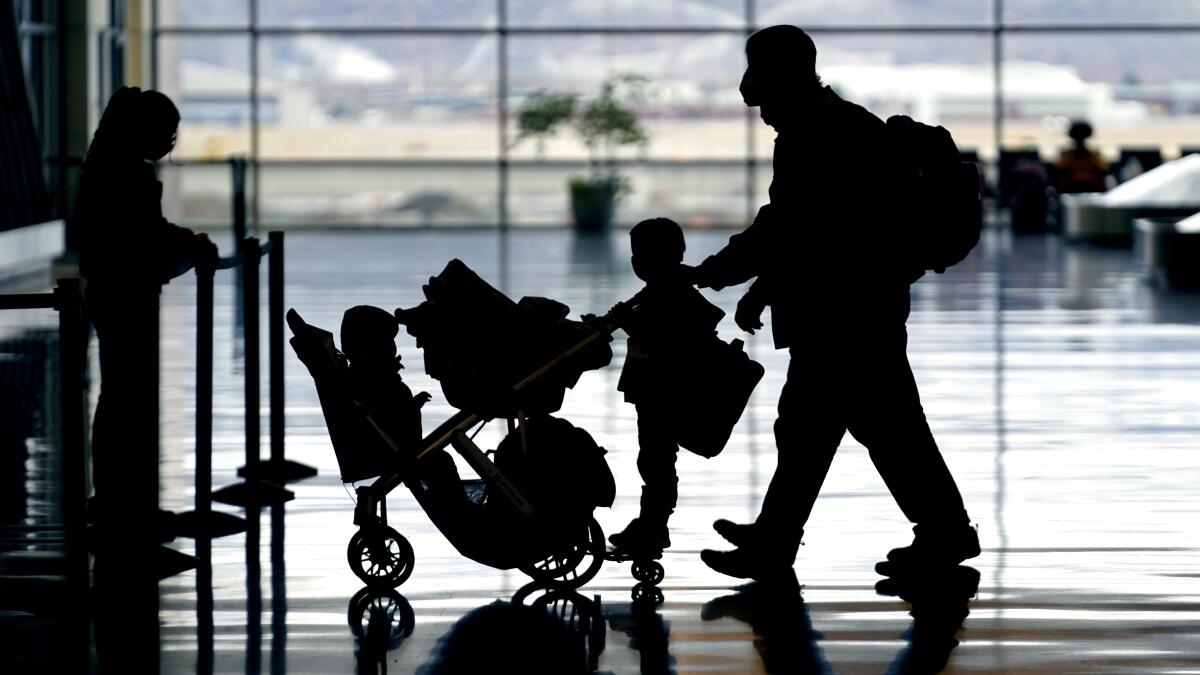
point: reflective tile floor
(1062, 391)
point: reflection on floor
(1061, 390)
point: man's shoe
(641, 534)
(937, 547)
(745, 564)
(736, 533)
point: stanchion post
(249, 250)
(204, 415)
(255, 490)
(203, 523)
(275, 343)
(279, 468)
(237, 172)
(204, 394)
(72, 348)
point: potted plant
(604, 123)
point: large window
(377, 112)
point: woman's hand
(204, 251)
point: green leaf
(542, 112)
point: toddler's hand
(620, 312)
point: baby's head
(369, 336)
(658, 247)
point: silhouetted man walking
(824, 253)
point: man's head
(657, 248)
(781, 74)
(369, 335)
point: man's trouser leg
(886, 417)
(657, 451)
(809, 429)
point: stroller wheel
(572, 566)
(380, 556)
(649, 572)
(385, 608)
(646, 595)
(563, 604)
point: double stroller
(531, 506)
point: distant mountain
(482, 13)
(709, 62)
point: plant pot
(592, 204)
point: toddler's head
(658, 248)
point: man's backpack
(939, 195)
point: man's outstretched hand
(422, 398)
(692, 275)
(748, 316)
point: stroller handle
(602, 333)
(609, 322)
(602, 329)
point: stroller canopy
(480, 344)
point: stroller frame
(383, 558)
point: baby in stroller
(369, 344)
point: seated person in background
(1079, 168)
(670, 327)
(369, 343)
